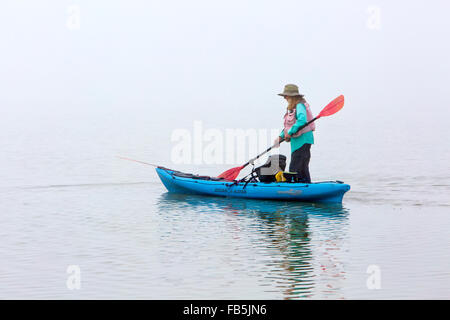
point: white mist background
(134, 71)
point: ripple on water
(270, 238)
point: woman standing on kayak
(297, 114)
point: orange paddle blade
(333, 107)
(231, 174)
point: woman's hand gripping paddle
(330, 109)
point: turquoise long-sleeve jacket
(307, 137)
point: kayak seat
(274, 164)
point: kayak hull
(331, 192)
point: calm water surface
(66, 200)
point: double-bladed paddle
(330, 109)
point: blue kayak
(179, 182)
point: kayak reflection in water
(297, 114)
(296, 250)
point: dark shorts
(300, 163)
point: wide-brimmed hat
(290, 90)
